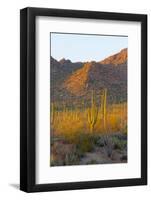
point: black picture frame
(28, 98)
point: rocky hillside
(60, 71)
(75, 81)
(117, 59)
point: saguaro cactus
(104, 108)
(92, 114)
(101, 105)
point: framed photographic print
(83, 99)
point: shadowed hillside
(76, 80)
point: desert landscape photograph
(88, 99)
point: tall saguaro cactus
(104, 108)
(92, 113)
(101, 105)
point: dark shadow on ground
(14, 185)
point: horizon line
(87, 60)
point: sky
(81, 47)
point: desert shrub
(84, 143)
(119, 143)
(71, 158)
(98, 140)
(69, 150)
(63, 153)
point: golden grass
(69, 123)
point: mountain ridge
(76, 80)
(116, 59)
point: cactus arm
(92, 114)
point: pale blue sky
(78, 47)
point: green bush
(119, 143)
(84, 144)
